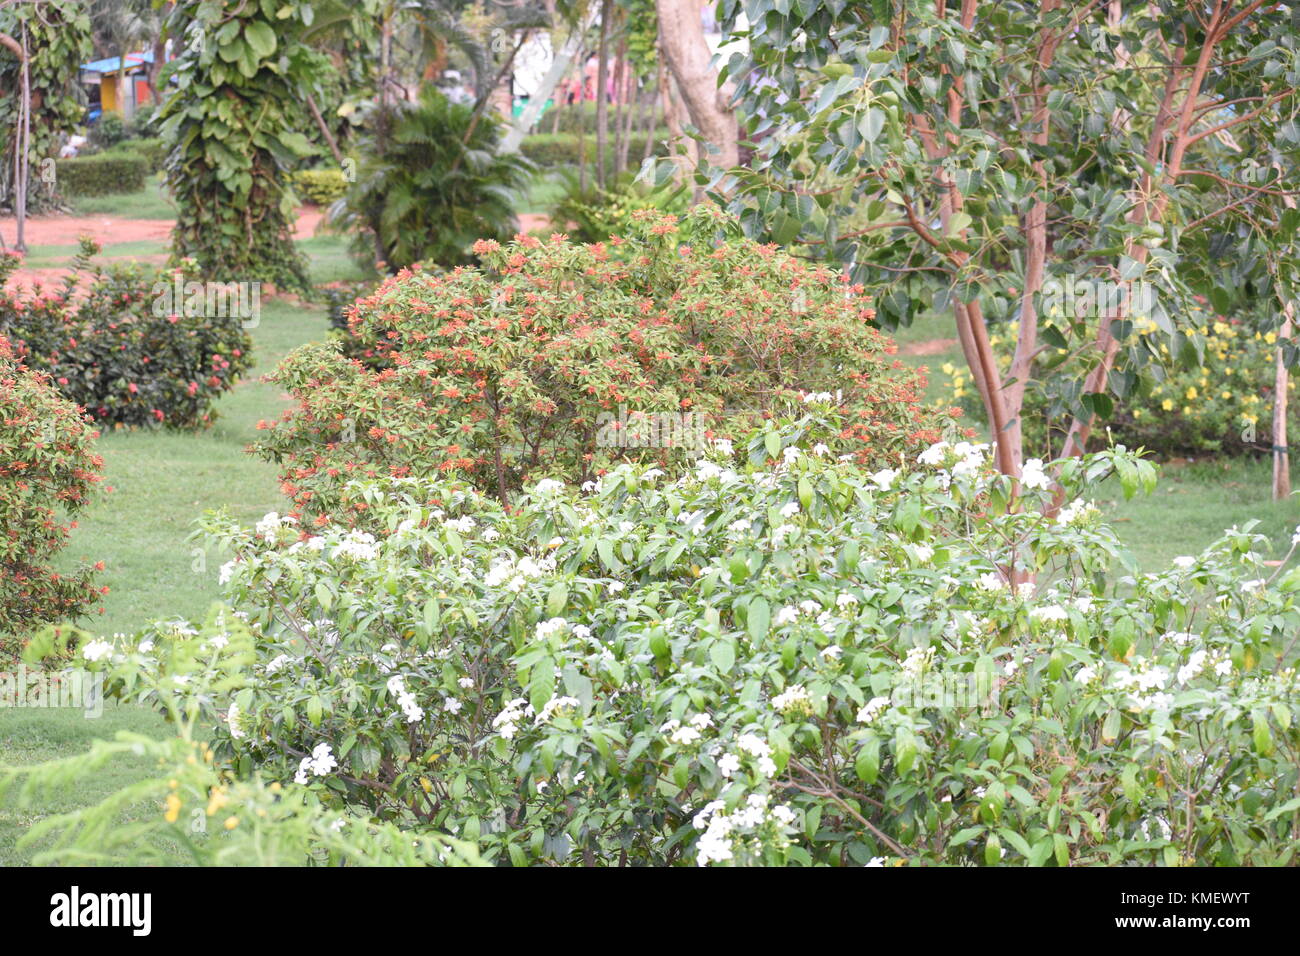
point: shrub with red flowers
(556, 359)
(107, 348)
(47, 472)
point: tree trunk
(559, 66)
(1281, 454)
(324, 129)
(602, 100)
(681, 38)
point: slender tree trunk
(564, 57)
(324, 129)
(602, 100)
(681, 38)
(1281, 454)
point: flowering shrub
(198, 805)
(557, 359)
(47, 472)
(770, 659)
(1222, 404)
(105, 349)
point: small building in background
(113, 86)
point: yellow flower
(231, 822)
(173, 810)
(1168, 404)
(1226, 394)
(1270, 338)
(1191, 392)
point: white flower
(990, 581)
(97, 650)
(876, 861)
(1195, 664)
(466, 682)
(318, 764)
(787, 615)
(553, 626)
(1085, 675)
(740, 524)
(491, 534)
(846, 600)
(451, 705)
(1033, 476)
(832, 653)
(728, 764)
(1050, 613)
(789, 509)
(935, 454)
(793, 696)
(1295, 536)
(145, 646)
(232, 722)
(790, 454)
(277, 663)
(724, 446)
(885, 478)
(693, 520)
(554, 706)
(818, 398)
(871, 710)
(820, 449)
(357, 546)
(269, 526)
(1184, 561)
(463, 525)
(923, 553)
(548, 486)
(227, 572)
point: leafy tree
(54, 38)
(966, 153)
(233, 122)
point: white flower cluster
(514, 575)
(269, 527)
(758, 748)
(1076, 513)
(357, 546)
(553, 707)
(872, 709)
(464, 525)
(793, 698)
(546, 628)
(97, 650)
(318, 764)
(405, 699)
(512, 715)
(1034, 476)
(232, 722)
(755, 824)
(688, 734)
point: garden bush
(560, 149)
(153, 151)
(431, 182)
(777, 658)
(556, 359)
(47, 473)
(102, 174)
(110, 130)
(320, 187)
(595, 214)
(106, 348)
(1220, 404)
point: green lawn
(162, 481)
(152, 202)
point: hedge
(320, 187)
(556, 149)
(152, 150)
(102, 174)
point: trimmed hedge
(152, 150)
(320, 187)
(102, 174)
(557, 149)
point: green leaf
(760, 617)
(260, 38)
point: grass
(31, 736)
(152, 202)
(162, 481)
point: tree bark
(1281, 454)
(602, 101)
(681, 38)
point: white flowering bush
(774, 659)
(192, 804)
